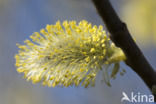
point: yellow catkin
(67, 54)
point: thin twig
(122, 38)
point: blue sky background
(19, 19)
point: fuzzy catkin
(67, 54)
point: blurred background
(20, 18)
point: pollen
(67, 54)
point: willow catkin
(67, 54)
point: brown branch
(122, 38)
